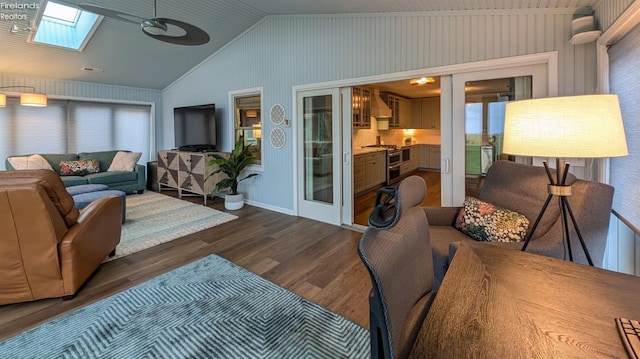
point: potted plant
(232, 166)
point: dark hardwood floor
(363, 204)
(315, 260)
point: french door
(473, 138)
(319, 154)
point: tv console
(188, 171)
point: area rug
(154, 218)
(210, 308)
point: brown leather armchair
(48, 247)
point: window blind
(74, 126)
(624, 77)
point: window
(74, 126)
(624, 171)
(64, 14)
(65, 26)
(247, 109)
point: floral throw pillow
(79, 168)
(484, 221)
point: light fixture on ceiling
(587, 126)
(423, 81)
(26, 98)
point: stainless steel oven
(406, 154)
(394, 158)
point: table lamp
(587, 126)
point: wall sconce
(26, 98)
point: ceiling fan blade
(114, 14)
(193, 35)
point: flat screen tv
(195, 128)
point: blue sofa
(129, 182)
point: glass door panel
(318, 148)
(485, 102)
(318, 155)
(472, 141)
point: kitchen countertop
(361, 151)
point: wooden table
(501, 303)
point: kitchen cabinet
(361, 107)
(412, 163)
(434, 157)
(401, 110)
(375, 171)
(426, 113)
(423, 158)
(405, 114)
(393, 102)
(429, 157)
(358, 173)
(369, 170)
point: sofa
(522, 189)
(128, 176)
(48, 247)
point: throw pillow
(33, 162)
(124, 161)
(79, 168)
(484, 221)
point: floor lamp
(588, 126)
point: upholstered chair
(397, 254)
(48, 247)
(523, 189)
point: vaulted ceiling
(130, 58)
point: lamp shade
(33, 99)
(3, 100)
(587, 126)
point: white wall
(284, 51)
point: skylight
(65, 26)
(63, 13)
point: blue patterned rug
(208, 309)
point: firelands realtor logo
(13, 11)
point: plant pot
(233, 202)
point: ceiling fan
(160, 28)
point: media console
(188, 171)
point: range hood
(379, 108)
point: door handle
(345, 158)
(445, 165)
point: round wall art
(277, 137)
(277, 114)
